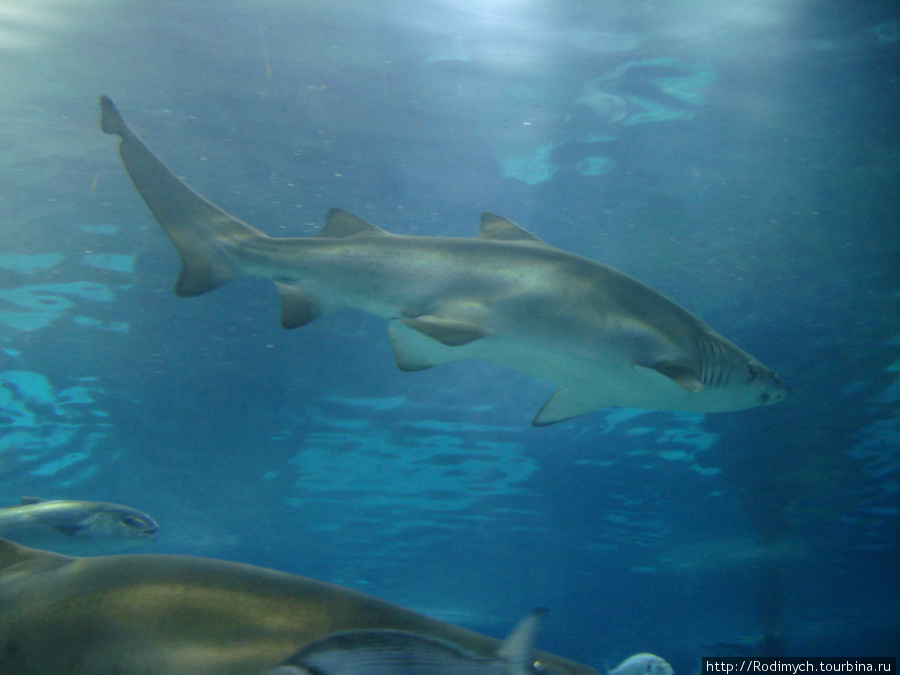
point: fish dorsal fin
(499, 228)
(31, 500)
(340, 224)
(516, 650)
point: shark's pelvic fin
(501, 229)
(340, 224)
(450, 332)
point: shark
(505, 297)
(171, 615)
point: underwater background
(739, 156)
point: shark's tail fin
(208, 239)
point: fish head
(643, 664)
(121, 523)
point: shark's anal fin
(206, 236)
(297, 307)
(684, 377)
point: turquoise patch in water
(110, 261)
(99, 229)
(28, 264)
(53, 467)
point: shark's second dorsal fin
(340, 224)
(499, 228)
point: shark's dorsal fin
(501, 229)
(340, 224)
(516, 650)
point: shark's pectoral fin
(566, 404)
(684, 377)
(297, 307)
(427, 341)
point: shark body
(505, 297)
(181, 615)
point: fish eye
(764, 397)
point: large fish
(177, 615)
(76, 527)
(394, 652)
(505, 297)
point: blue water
(741, 157)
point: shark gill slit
(712, 372)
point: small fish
(397, 652)
(76, 527)
(643, 664)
